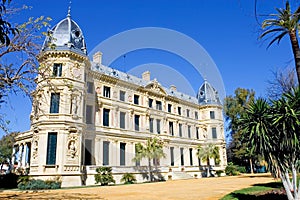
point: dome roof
(207, 94)
(66, 35)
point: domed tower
(211, 111)
(57, 118)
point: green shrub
(219, 172)
(231, 169)
(104, 176)
(128, 178)
(23, 179)
(25, 183)
(241, 169)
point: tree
(128, 178)
(153, 149)
(281, 24)
(104, 175)
(207, 152)
(19, 61)
(284, 80)
(6, 148)
(5, 27)
(273, 132)
(234, 107)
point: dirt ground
(203, 189)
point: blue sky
(226, 29)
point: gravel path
(200, 189)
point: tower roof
(66, 35)
(207, 94)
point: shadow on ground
(277, 193)
(260, 197)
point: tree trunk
(149, 170)
(208, 166)
(251, 165)
(286, 186)
(294, 176)
(296, 52)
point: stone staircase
(177, 175)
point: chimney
(97, 57)
(173, 88)
(146, 76)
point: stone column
(130, 153)
(97, 152)
(20, 155)
(27, 156)
(23, 164)
(167, 160)
(112, 153)
(13, 157)
(117, 153)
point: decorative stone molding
(72, 147)
(71, 168)
(35, 146)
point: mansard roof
(66, 35)
(141, 82)
(207, 94)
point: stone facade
(86, 115)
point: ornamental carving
(72, 146)
(155, 86)
(35, 146)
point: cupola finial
(69, 9)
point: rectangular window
(150, 103)
(88, 152)
(89, 114)
(181, 157)
(187, 112)
(54, 102)
(191, 156)
(122, 119)
(179, 110)
(106, 91)
(180, 130)
(158, 126)
(106, 117)
(137, 122)
(172, 155)
(151, 125)
(51, 148)
(105, 153)
(214, 132)
(136, 99)
(57, 69)
(197, 132)
(90, 87)
(122, 96)
(169, 108)
(171, 131)
(137, 163)
(196, 115)
(158, 105)
(122, 153)
(212, 114)
(189, 131)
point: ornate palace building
(86, 115)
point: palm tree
(273, 132)
(285, 23)
(153, 149)
(207, 152)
